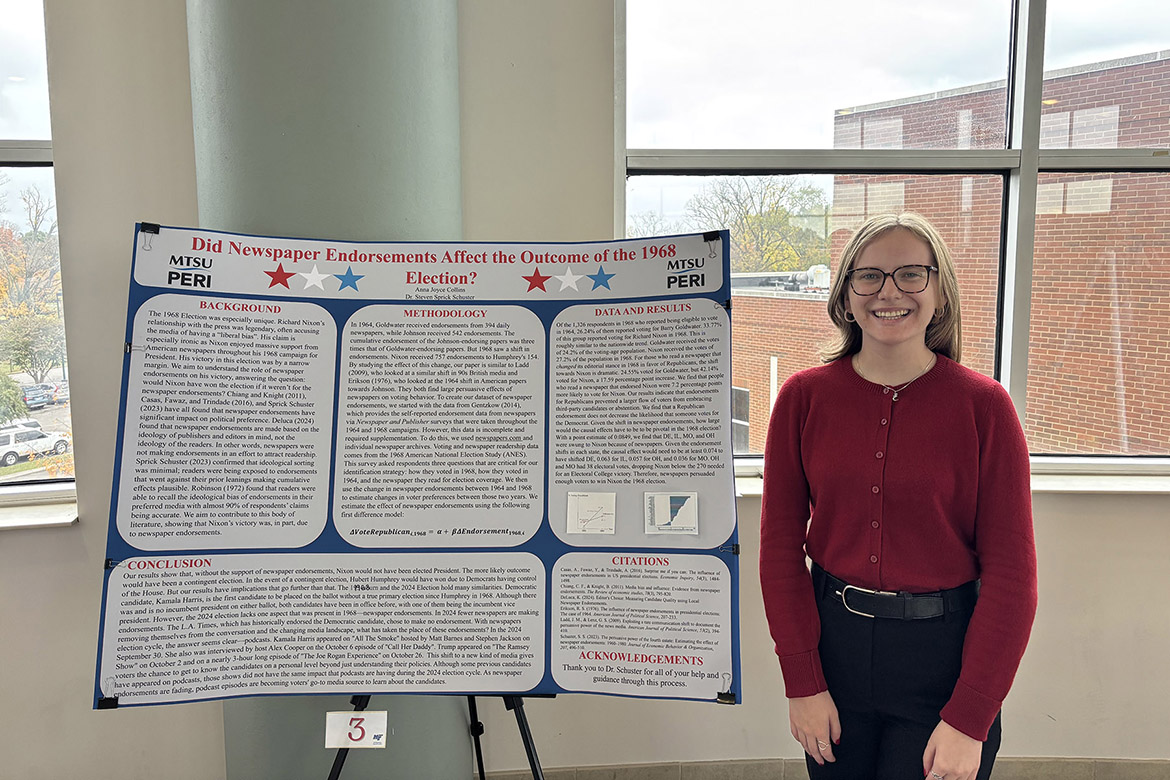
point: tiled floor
(793, 769)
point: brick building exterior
(1099, 364)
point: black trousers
(889, 680)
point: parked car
(35, 396)
(60, 392)
(20, 443)
(54, 390)
(24, 422)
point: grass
(55, 466)
(20, 466)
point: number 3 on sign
(349, 729)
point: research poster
(450, 468)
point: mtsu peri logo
(684, 272)
(185, 271)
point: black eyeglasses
(907, 278)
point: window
(751, 75)
(791, 126)
(34, 381)
(780, 276)
(740, 423)
(1107, 79)
(1099, 365)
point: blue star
(601, 278)
(349, 279)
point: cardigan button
(884, 421)
(875, 523)
(875, 488)
(879, 455)
(873, 559)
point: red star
(536, 280)
(280, 276)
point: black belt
(901, 605)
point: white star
(568, 279)
(313, 279)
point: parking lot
(54, 417)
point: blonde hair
(945, 332)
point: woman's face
(892, 317)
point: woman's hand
(951, 754)
(815, 725)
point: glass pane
(34, 385)
(741, 74)
(24, 85)
(1107, 75)
(787, 233)
(1098, 367)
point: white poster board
(460, 468)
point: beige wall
(123, 150)
(537, 104)
(537, 145)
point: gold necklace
(895, 390)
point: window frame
(1021, 164)
(48, 504)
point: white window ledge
(1100, 483)
(38, 506)
(1050, 474)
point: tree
(651, 223)
(769, 218)
(11, 399)
(33, 343)
(30, 262)
(32, 338)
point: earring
(849, 316)
(938, 314)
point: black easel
(359, 703)
(516, 705)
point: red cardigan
(919, 495)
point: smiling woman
(893, 321)
(946, 565)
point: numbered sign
(349, 729)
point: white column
(331, 120)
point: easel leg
(476, 733)
(516, 704)
(359, 703)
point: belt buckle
(845, 600)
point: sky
(24, 90)
(24, 96)
(772, 74)
(761, 75)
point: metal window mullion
(1026, 86)
(706, 162)
(1063, 160)
(619, 119)
(14, 152)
